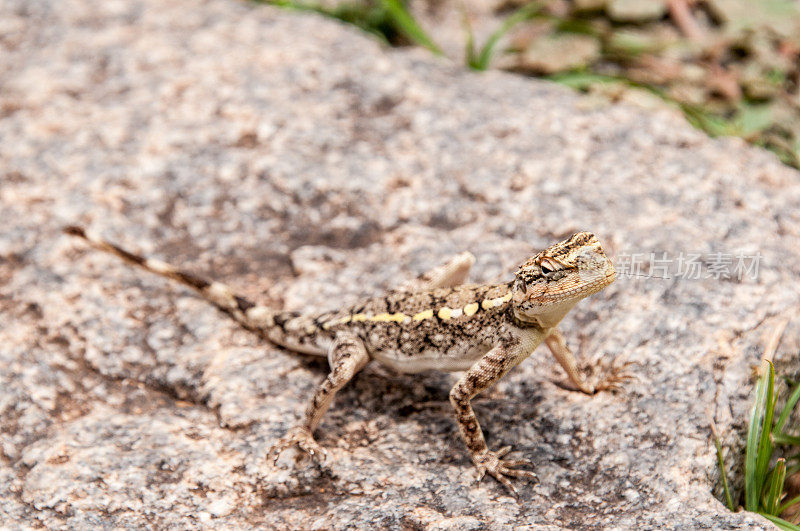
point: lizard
(435, 322)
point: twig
(682, 15)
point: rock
(740, 18)
(242, 141)
(636, 10)
(558, 53)
(590, 5)
(760, 86)
(653, 39)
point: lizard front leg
(482, 375)
(612, 380)
(346, 356)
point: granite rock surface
(307, 166)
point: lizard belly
(456, 359)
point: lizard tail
(244, 311)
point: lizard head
(549, 284)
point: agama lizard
(432, 323)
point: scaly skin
(432, 323)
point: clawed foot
(498, 468)
(607, 376)
(301, 438)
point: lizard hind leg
(452, 273)
(346, 356)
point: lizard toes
(614, 376)
(503, 451)
(302, 439)
(502, 469)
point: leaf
(469, 42)
(782, 438)
(406, 24)
(787, 409)
(780, 522)
(582, 80)
(775, 487)
(484, 58)
(753, 119)
(708, 122)
(721, 461)
(751, 452)
(765, 447)
(788, 504)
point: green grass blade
(752, 119)
(788, 504)
(781, 523)
(406, 24)
(721, 461)
(787, 409)
(469, 41)
(583, 80)
(520, 15)
(751, 452)
(356, 14)
(765, 447)
(782, 438)
(708, 122)
(792, 470)
(775, 487)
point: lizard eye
(553, 269)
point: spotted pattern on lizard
(435, 322)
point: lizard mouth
(583, 289)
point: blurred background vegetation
(731, 66)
